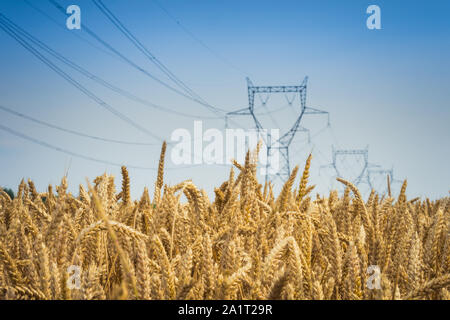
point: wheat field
(246, 244)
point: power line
(103, 82)
(13, 30)
(75, 34)
(216, 110)
(89, 158)
(74, 154)
(96, 78)
(13, 33)
(151, 57)
(72, 81)
(7, 28)
(124, 58)
(197, 39)
(119, 25)
(77, 133)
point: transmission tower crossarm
(310, 110)
(276, 89)
(239, 112)
(351, 152)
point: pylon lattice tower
(363, 176)
(384, 172)
(283, 143)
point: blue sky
(384, 88)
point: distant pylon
(383, 172)
(363, 176)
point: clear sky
(387, 88)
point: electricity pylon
(383, 172)
(363, 176)
(282, 144)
